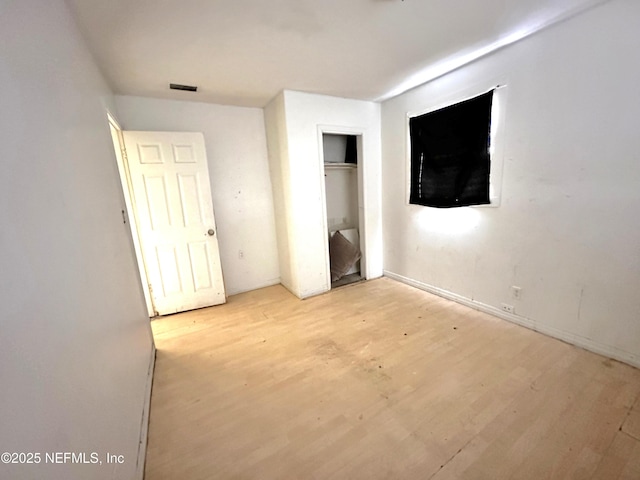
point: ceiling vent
(188, 88)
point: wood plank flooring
(379, 380)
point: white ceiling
(243, 52)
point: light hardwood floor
(379, 380)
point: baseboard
(277, 281)
(269, 283)
(304, 295)
(568, 337)
(314, 293)
(144, 424)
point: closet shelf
(340, 166)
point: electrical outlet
(240, 254)
(508, 308)
(516, 292)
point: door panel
(172, 196)
(157, 199)
(190, 200)
(199, 255)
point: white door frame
(359, 133)
(125, 180)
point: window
(450, 159)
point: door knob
(210, 232)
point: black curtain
(450, 161)
(351, 152)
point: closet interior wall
(341, 189)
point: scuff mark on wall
(580, 302)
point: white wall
(239, 173)
(75, 341)
(341, 191)
(276, 130)
(305, 116)
(568, 229)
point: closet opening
(343, 185)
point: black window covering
(450, 161)
(351, 152)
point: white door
(172, 200)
